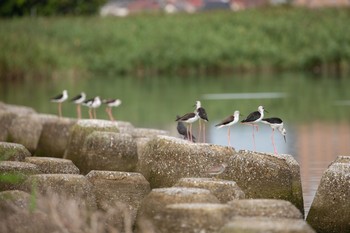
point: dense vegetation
(11, 8)
(270, 39)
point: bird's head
(261, 109)
(198, 104)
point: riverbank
(257, 40)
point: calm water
(316, 111)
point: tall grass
(211, 42)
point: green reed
(259, 40)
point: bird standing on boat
(202, 117)
(275, 123)
(253, 118)
(189, 118)
(60, 99)
(182, 130)
(230, 120)
(111, 103)
(78, 100)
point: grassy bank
(213, 42)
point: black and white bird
(78, 100)
(182, 130)
(275, 123)
(202, 117)
(92, 104)
(111, 103)
(253, 118)
(60, 99)
(189, 118)
(228, 122)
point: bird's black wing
(226, 121)
(57, 97)
(185, 117)
(76, 98)
(252, 117)
(202, 113)
(273, 120)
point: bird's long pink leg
(95, 113)
(90, 113)
(200, 131)
(229, 137)
(110, 111)
(60, 109)
(78, 111)
(204, 132)
(190, 135)
(273, 141)
(254, 138)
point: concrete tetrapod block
(50, 165)
(25, 130)
(11, 199)
(153, 204)
(266, 225)
(15, 173)
(330, 209)
(16, 109)
(54, 135)
(165, 160)
(79, 132)
(271, 208)
(13, 151)
(112, 188)
(6, 119)
(224, 190)
(193, 218)
(109, 151)
(69, 186)
(148, 133)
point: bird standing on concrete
(275, 123)
(111, 103)
(202, 117)
(189, 118)
(230, 120)
(253, 118)
(78, 100)
(60, 99)
(182, 130)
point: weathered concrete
(330, 209)
(25, 130)
(153, 204)
(271, 208)
(15, 173)
(125, 127)
(12, 199)
(224, 190)
(266, 225)
(193, 218)
(148, 133)
(54, 135)
(112, 188)
(79, 132)
(50, 165)
(16, 109)
(165, 160)
(71, 186)
(13, 151)
(6, 119)
(109, 151)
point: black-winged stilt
(189, 118)
(275, 123)
(93, 104)
(230, 120)
(111, 103)
(182, 130)
(78, 100)
(217, 170)
(60, 99)
(202, 117)
(253, 118)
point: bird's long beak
(266, 110)
(240, 115)
(285, 140)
